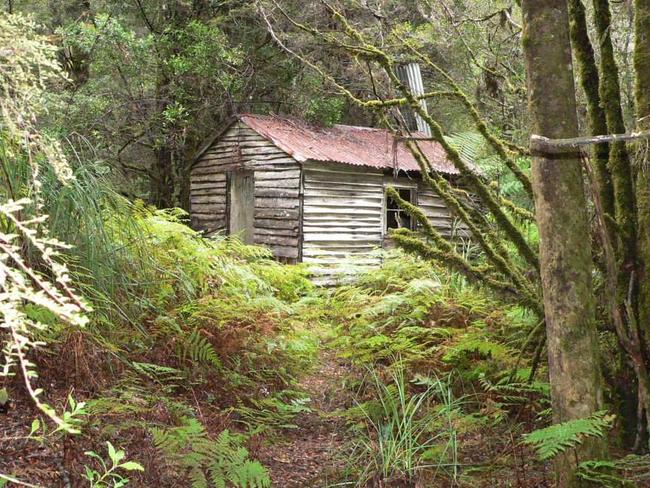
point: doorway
(241, 218)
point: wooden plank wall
(432, 205)
(435, 210)
(277, 189)
(342, 214)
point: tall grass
(406, 436)
(95, 219)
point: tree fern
(552, 440)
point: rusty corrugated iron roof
(359, 146)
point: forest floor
(311, 455)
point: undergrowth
(181, 323)
(437, 370)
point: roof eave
(210, 140)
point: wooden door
(242, 205)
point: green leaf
(113, 454)
(36, 424)
(132, 466)
(4, 396)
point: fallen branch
(544, 145)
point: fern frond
(553, 440)
(198, 479)
(210, 463)
(250, 474)
(198, 349)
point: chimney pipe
(411, 76)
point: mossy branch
(498, 262)
(372, 53)
(502, 148)
(590, 83)
(475, 220)
(619, 160)
(519, 212)
(477, 185)
(466, 172)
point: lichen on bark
(561, 209)
(642, 98)
(590, 83)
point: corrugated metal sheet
(411, 76)
(359, 146)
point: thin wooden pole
(545, 145)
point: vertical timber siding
(342, 213)
(277, 189)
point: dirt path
(310, 456)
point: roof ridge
(347, 144)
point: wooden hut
(311, 194)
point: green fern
(515, 392)
(168, 377)
(210, 463)
(198, 349)
(480, 343)
(274, 412)
(251, 474)
(553, 440)
(629, 471)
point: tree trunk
(619, 160)
(565, 255)
(162, 186)
(642, 95)
(590, 82)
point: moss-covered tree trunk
(619, 160)
(642, 96)
(590, 82)
(565, 255)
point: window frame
(413, 199)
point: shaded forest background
(149, 81)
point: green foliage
(33, 273)
(197, 348)
(210, 463)
(412, 310)
(288, 283)
(168, 377)
(552, 440)
(274, 412)
(399, 436)
(327, 110)
(473, 148)
(109, 477)
(629, 471)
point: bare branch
(544, 145)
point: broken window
(396, 217)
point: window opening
(396, 217)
